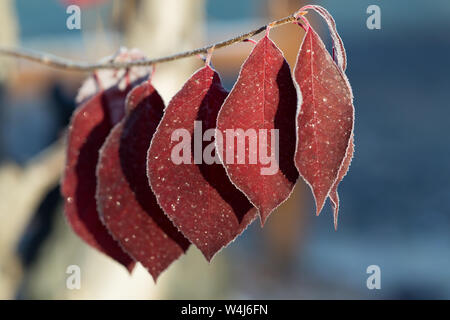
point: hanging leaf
(262, 105)
(89, 127)
(193, 190)
(325, 117)
(125, 201)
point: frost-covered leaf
(325, 117)
(263, 105)
(196, 195)
(125, 201)
(90, 125)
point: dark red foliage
(142, 182)
(263, 98)
(325, 117)
(125, 201)
(89, 127)
(199, 198)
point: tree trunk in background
(161, 28)
(21, 190)
(8, 33)
(8, 37)
(9, 267)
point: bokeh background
(395, 200)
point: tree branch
(66, 64)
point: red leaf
(125, 201)
(199, 198)
(89, 127)
(263, 98)
(325, 117)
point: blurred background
(395, 209)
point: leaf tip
(155, 277)
(320, 202)
(208, 256)
(262, 221)
(130, 267)
(335, 219)
(264, 213)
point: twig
(66, 64)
